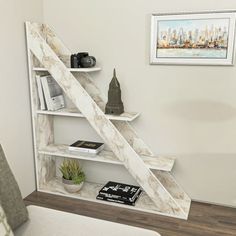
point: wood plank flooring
(204, 219)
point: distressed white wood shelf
(90, 191)
(86, 70)
(162, 194)
(155, 163)
(126, 116)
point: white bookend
(53, 93)
(40, 93)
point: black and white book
(40, 93)
(120, 191)
(86, 147)
(53, 93)
(121, 201)
(115, 196)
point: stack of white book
(50, 93)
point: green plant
(71, 170)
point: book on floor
(120, 191)
(53, 93)
(119, 200)
(86, 147)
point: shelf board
(89, 192)
(126, 116)
(87, 70)
(155, 163)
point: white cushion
(48, 222)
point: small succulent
(71, 170)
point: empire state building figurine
(114, 105)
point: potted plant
(72, 175)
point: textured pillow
(5, 229)
(10, 196)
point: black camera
(82, 60)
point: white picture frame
(202, 38)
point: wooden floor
(204, 219)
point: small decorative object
(72, 175)
(114, 105)
(86, 61)
(82, 60)
(203, 38)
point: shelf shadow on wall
(203, 110)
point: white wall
(15, 121)
(188, 111)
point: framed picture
(206, 38)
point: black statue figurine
(114, 105)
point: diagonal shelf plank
(73, 112)
(170, 184)
(155, 163)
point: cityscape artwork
(193, 38)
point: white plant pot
(70, 186)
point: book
(40, 93)
(86, 146)
(117, 200)
(120, 191)
(114, 196)
(53, 93)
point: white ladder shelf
(47, 54)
